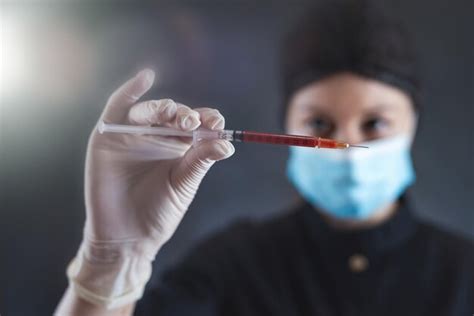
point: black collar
(370, 241)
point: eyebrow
(382, 106)
(311, 106)
(379, 106)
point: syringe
(230, 135)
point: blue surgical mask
(353, 183)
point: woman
(352, 247)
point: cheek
(288, 124)
(405, 117)
(298, 125)
(407, 123)
(400, 120)
(293, 122)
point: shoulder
(245, 234)
(243, 243)
(232, 255)
(448, 262)
(223, 263)
(451, 247)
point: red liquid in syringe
(291, 140)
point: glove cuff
(111, 274)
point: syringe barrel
(230, 135)
(103, 127)
(207, 134)
(289, 140)
(279, 139)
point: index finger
(124, 97)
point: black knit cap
(349, 36)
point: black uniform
(296, 264)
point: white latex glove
(137, 189)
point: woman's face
(350, 108)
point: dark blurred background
(61, 60)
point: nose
(350, 134)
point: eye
(322, 126)
(375, 125)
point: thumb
(211, 150)
(196, 162)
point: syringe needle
(358, 146)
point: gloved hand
(137, 189)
